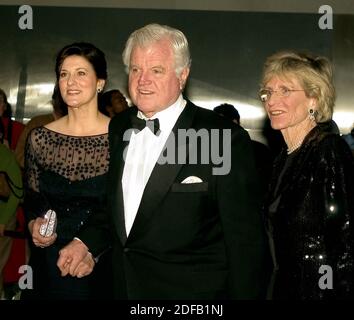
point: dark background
(228, 50)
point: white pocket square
(192, 179)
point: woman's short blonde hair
(314, 73)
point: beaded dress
(309, 216)
(66, 174)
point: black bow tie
(140, 124)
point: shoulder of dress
(34, 132)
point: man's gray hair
(154, 32)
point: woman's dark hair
(86, 50)
(7, 114)
(59, 106)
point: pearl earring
(99, 90)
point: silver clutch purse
(48, 229)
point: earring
(99, 90)
(312, 114)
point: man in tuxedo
(183, 223)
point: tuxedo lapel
(162, 177)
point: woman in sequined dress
(309, 210)
(65, 170)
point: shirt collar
(168, 116)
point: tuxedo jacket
(188, 241)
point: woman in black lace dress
(310, 207)
(65, 169)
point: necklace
(295, 146)
(302, 132)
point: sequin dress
(309, 216)
(66, 174)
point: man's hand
(75, 259)
(85, 267)
(38, 239)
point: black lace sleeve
(34, 203)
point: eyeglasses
(265, 94)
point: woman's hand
(38, 239)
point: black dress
(66, 174)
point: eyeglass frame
(284, 92)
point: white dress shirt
(143, 152)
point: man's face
(153, 83)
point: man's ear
(183, 78)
